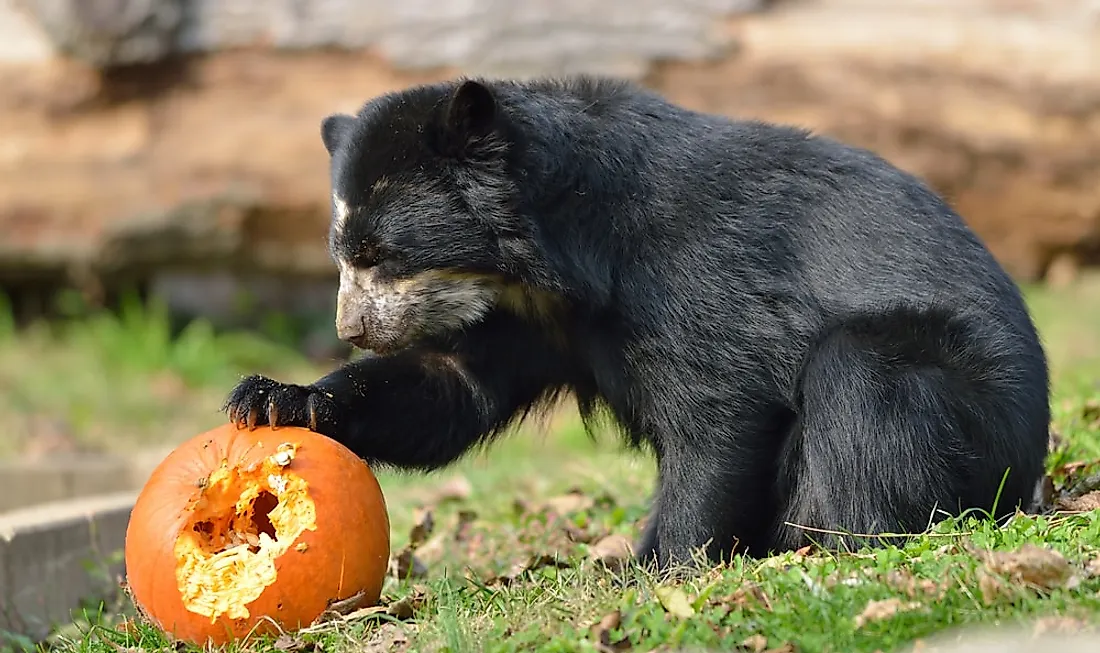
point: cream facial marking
(383, 314)
(342, 211)
(360, 295)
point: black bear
(803, 335)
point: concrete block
(22, 485)
(142, 464)
(56, 555)
(28, 483)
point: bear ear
(333, 129)
(471, 112)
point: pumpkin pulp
(241, 521)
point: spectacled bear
(802, 334)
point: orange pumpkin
(235, 528)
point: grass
(548, 496)
(113, 381)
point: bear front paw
(258, 400)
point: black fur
(799, 331)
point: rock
(107, 33)
(996, 104)
(211, 158)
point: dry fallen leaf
(991, 587)
(389, 638)
(423, 525)
(1083, 503)
(1092, 568)
(466, 520)
(455, 489)
(675, 601)
(129, 626)
(433, 550)
(1037, 567)
(348, 605)
(783, 560)
(403, 608)
(574, 501)
(756, 643)
(746, 596)
(406, 606)
(601, 633)
(885, 609)
(905, 581)
(293, 644)
(531, 564)
(1091, 413)
(613, 551)
(406, 565)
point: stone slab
(54, 556)
(27, 483)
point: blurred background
(164, 190)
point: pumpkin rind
(325, 533)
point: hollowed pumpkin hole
(242, 521)
(228, 530)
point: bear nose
(350, 327)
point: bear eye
(368, 256)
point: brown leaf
(349, 609)
(423, 525)
(348, 605)
(905, 581)
(613, 551)
(601, 633)
(405, 607)
(530, 564)
(455, 489)
(746, 596)
(783, 560)
(1092, 567)
(293, 644)
(432, 550)
(523, 506)
(1084, 503)
(406, 565)
(466, 520)
(361, 614)
(1091, 413)
(1037, 567)
(991, 587)
(128, 626)
(574, 501)
(576, 533)
(885, 609)
(389, 638)
(1072, 468)
(756, 643)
